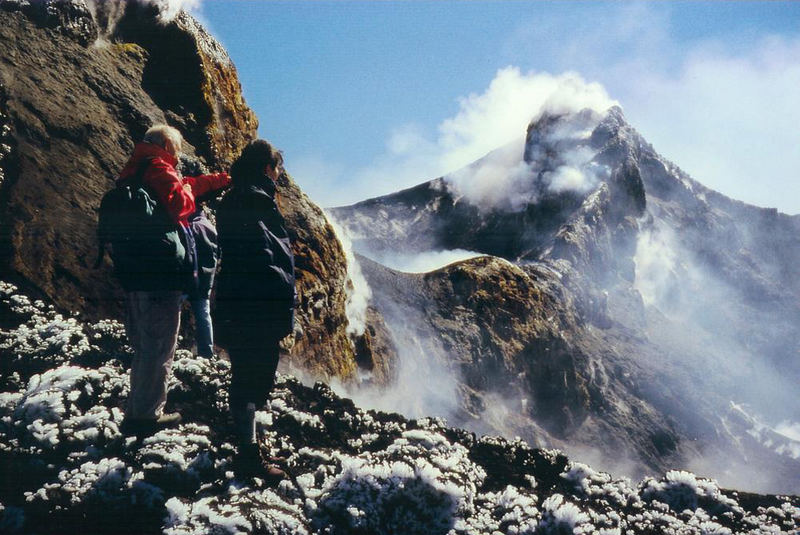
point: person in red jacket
(154, 293)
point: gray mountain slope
(623, 310)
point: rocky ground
(66, 468)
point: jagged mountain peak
(664, 292)
(512, 202)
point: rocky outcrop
(78, 87)
(322, 346)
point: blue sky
(369, 97)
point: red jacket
(165, 182)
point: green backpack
(148, 249)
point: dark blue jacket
(256, 283)
(207, 250)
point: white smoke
(688, 303)
(494, 118)
(656, 263)
(424, 385)
(423, 262)
(169, 9)
(503, 180)
(503, 112)
(358, 292)
(789, 430)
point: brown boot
(248, 463)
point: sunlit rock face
(79, 84)
(67, 468)
(621, 310)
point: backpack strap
(136, 179)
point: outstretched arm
(206, 183)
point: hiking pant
(254, 361)
(204, 329)
(152, 323)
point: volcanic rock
(79, 84)
(622, 311)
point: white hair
(161, 133)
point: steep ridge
(67, 469)
(637, 314)
(79, 84)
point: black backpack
(148, 249)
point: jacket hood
(146, 151)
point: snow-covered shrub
(45, 341)
(421, 484)
(109, 341)
(16, 307)
(105, 481)
(599, 485)
(40, 339)
(683, 490)
(65, 406)
(236, 510)
(561, 516)
(179, 459)
(108, 491)
(507, 511)
(199, 384)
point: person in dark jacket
(153, 274)
(199, 293)
(256, 284)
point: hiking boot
(168, 419)
(273, 475)
(248, 463)
(142, 427)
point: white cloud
(731, 121)
(724, 112)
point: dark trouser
(254, 360)
(251, 331)
(252, 373)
